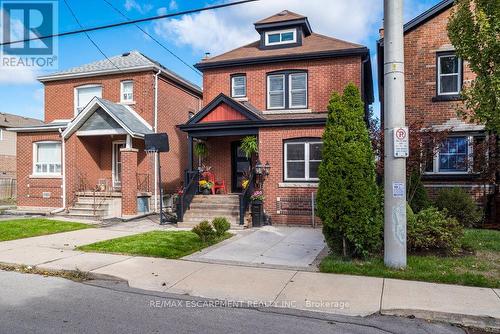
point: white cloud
(173, 5)
(220, 30)
(134, 5)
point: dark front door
(240, 164)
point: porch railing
(143, 184)
(245, 197)
(188, 193)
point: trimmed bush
(221, 226)
(417, 195)
(432, 230)
(348, 196)
(460, 205)
(204, 230)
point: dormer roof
(284, 19)
(282, 16)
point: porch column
(129, 181)
(190, 153)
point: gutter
(156, 131)
(63, 147)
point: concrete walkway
(290, 247)
(329, 293)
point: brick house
(8, 141)
(277, 89)
(434, 77)
(91, 147)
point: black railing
(245, 197)
(188, 192)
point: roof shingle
(16, 121)
(282, 16)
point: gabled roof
(125, 116)
(133, 61)
(247, 110)
(315, 45)
(16, 121)
(282, 16)
(428, 14)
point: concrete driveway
(270, 246)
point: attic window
(281, 37)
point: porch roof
(111, 118)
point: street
(38, 304)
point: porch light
(258, 168)
(267, 168)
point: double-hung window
(239, 86)
(127, 91)
(302, 160)
(454, 155)
(449, 74)
(47, 158)
(281, 37)
(84, 94)
(287, 90)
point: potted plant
(257, 208)
(201, 151)
(205, 186)
(249, 146)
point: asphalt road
(38, 304)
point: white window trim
(1, 134)
(75, 95)
(439, 75)
(35, 173)
(302, 106)
(269, 91)
(307, 145)
(470, 160)
(122, 83)
(114, 144)
(244, 85)
(266, 37)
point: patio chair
(217, 184)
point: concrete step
(90, 205)
(87, 211)
(213, 199)
(209, 215)
(90, 200)
(214, 206)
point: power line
(153, 38)
(88, 36)
(113, 25)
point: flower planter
(257, 213)
(205, 191)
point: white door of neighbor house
(117, 164)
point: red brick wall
(29, 189)
(324, 76)
(129, 181)
(271, 150)
(174, 106)
(59, 95)
(421, 46)
(7, 166)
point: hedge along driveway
(33, 227)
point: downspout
(156, 131)
(63, 147)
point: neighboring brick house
(8, 142)
(277, 89)
(434, 77)
(96, 116)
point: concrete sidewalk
(329, 293)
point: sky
(188, 36)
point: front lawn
(166, 244)
(480, 268)
(32, 227)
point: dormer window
(281, 37)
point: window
(47, 158)
(127, 91)
(84, 94)
(454, 156)
(449, 75)
(287, 90)
(1, 134)
(276, 91)
(281, 37)
(302, 160)
(239, 86)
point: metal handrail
(143, 182)
(245, 196)
(188, 193)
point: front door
(117, 164)
(240, 164)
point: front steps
(207, 207)
(98, 208)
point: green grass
(26, 228)
(479, 269)
(165, 244)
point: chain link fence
(8, 189)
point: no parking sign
(401, 142)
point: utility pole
(395, 137)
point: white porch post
(128, 142)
